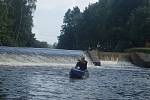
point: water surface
(43, 74)
(53, 83)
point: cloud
(54, 4)
(49, 14)
(83, 3)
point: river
(32, 81)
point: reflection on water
(53, 83)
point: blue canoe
(76, 73)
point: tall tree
(112, 25)
(16, 22)
(68, 38)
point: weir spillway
(114, 79)
(38, 56)
(19, 56)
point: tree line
(109, 25)
(16, 22)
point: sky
(49, 15)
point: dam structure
(38, 56)
(43, 74)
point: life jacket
(82, 65)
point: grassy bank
(143, 50)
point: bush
(7, 41)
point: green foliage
(69, 37)
(16, 23)
(139, 24)
(7, 41)
(39, 44)
(110, 25)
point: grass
(143, 50)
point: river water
(112, 80)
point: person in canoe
(80, 70)
(82, 64)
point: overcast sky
(49, 14)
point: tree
(16, 22)
(68, 38)
(111, 24)
(139, 26)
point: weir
(50, 82)
(15, 56)
(110, 59)
(115, 60)
(111, 56)
(38, 56)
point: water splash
(38, 56)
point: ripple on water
(53, 83)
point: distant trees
(112, 25)
(69, 33)
(139, 26)
(16, 23)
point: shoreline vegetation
(16, 22)
(109, 25)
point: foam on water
(14, 56)
(39, 56)
(113, 80)
(118, 65)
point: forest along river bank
(112, 80)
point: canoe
(76, 73)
